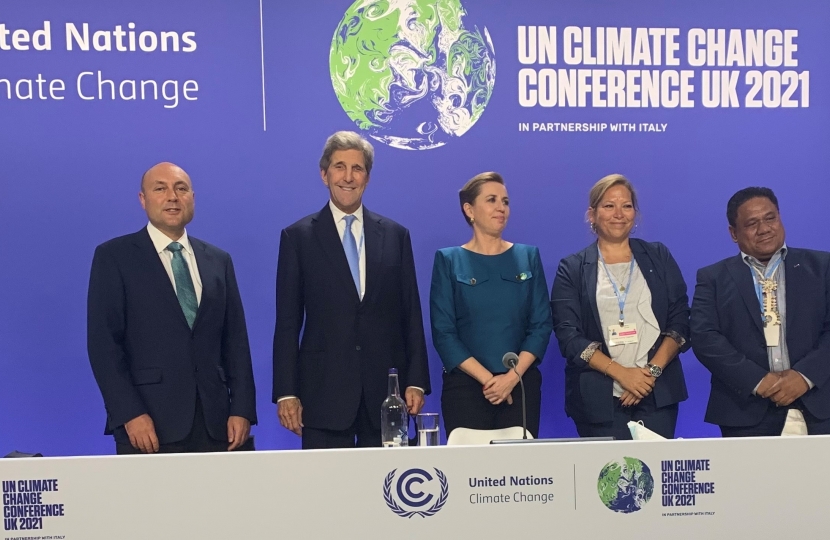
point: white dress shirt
(357, 231)
(161, 241)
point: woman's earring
(472, 220)
(593, 227)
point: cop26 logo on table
(410, 73)
(409, 491)
(625, 485)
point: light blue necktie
(350, 247)
(184, 284)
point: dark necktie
(184, 284)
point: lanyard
(757, 276)
(620, 297)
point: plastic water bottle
(394, 420)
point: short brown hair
(471, 190)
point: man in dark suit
(761, 324)
(346, 283)
(166, 333)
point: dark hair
(472, 188)
(743, 196)
(347, 140)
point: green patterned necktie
(184, 284)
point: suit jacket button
(357, 348)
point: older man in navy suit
(166, 333)
(346, 283)
(761, 324)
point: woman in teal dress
(488, 298)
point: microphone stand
(510, 360)
(524, 409)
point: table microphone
(510, 361)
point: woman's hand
(635, 380)
(627, 399)
(498, 388)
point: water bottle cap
(393, 371)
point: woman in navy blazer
(621, 350)
(489, 297)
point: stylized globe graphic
(409, 73)
(625, 486)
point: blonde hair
(601, 188)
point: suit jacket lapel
(373, 237)
(653, 280)
(326, 233)
(208, 273)
(742, 275)
(161, 280)
(589, 283)
(796, 290)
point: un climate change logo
(411, 492)
(625, 486)
(408, 72)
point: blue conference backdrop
(690, 100)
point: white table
(742, 488)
